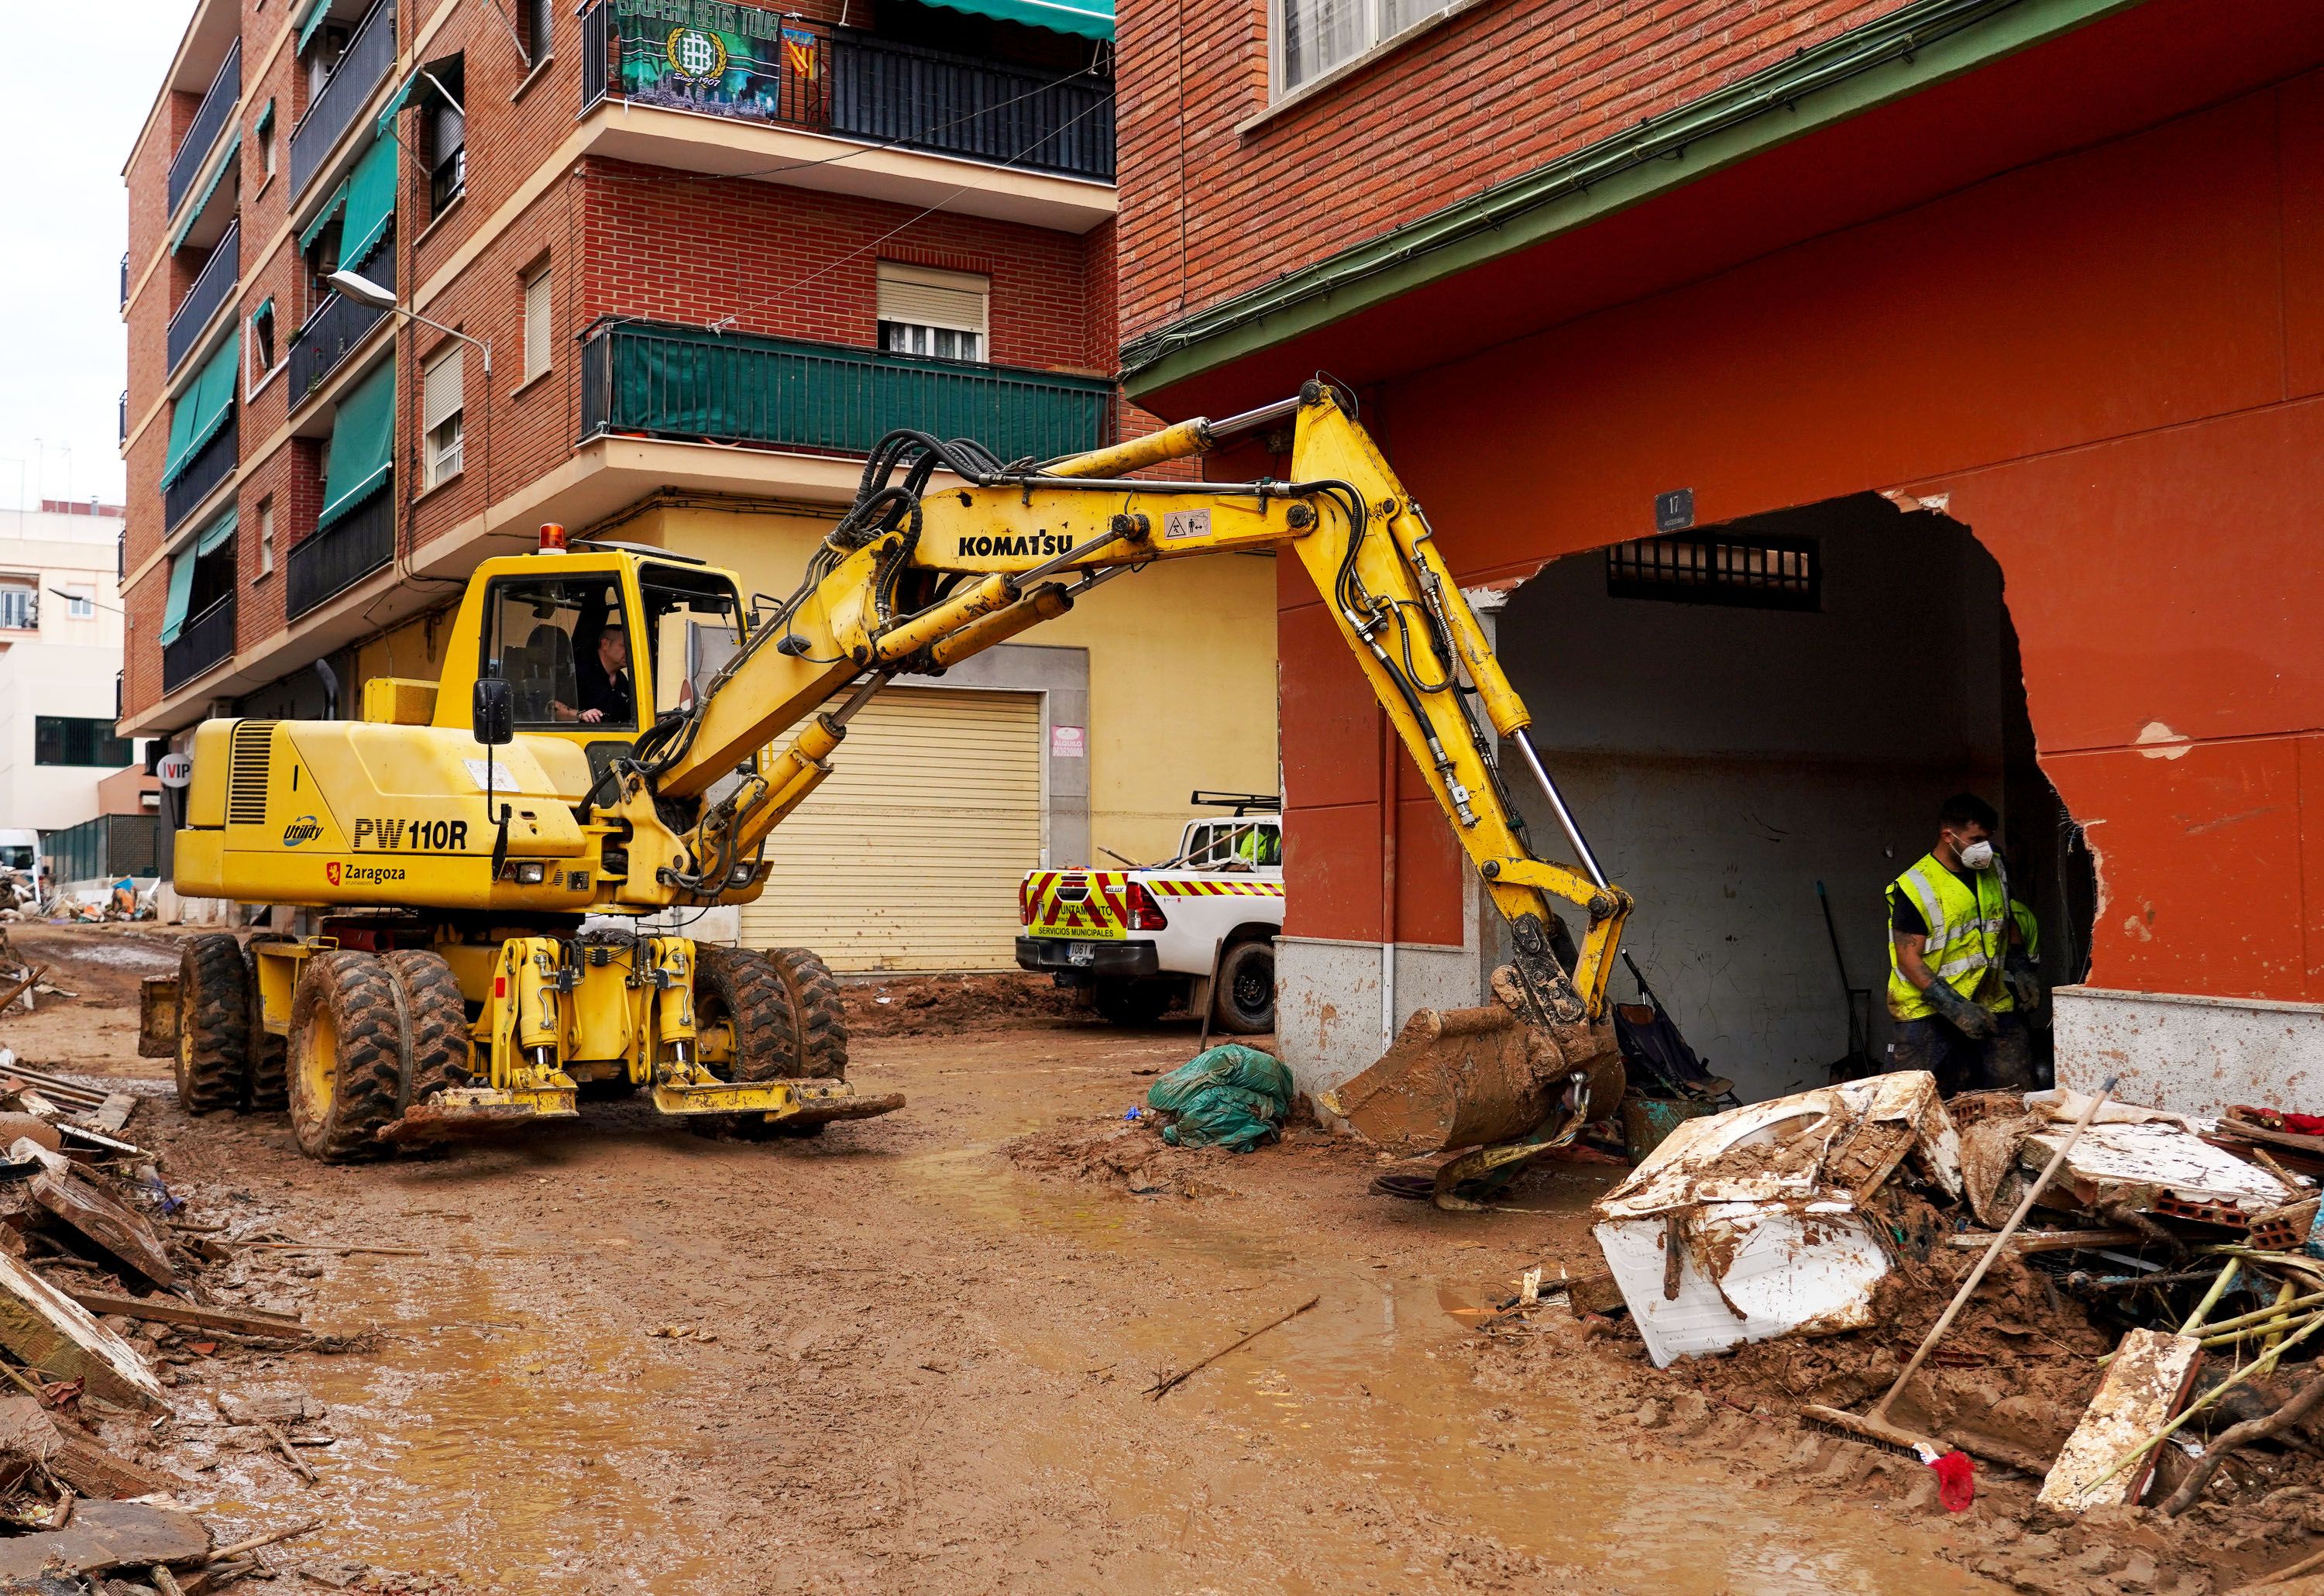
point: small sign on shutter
(1068, 742)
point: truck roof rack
(1241, 803)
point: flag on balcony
(801, 52)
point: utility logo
(304, 830)
(1023, 543)
(696, 55)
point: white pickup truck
(1200, 928)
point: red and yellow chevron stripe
(1214, 889)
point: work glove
(1973, 1021)
(2024, 980)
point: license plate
(1081, 953)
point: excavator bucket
(1459, 1083)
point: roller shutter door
(909, 856)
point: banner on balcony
(704, 55)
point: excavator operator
(1958, 968)
(601, 669)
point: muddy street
(912, 1354)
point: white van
(20, 849)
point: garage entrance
(1739, 712)
(909, 856)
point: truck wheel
(347, 1058)
(1243, 998)
(213, 1056)
(1132, 1002)
(270, 1080)
(437, 1016)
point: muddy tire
(739, 988)
(817, 1019)
(1243, 998)
(436, 1017)
(347, 1058)
(270, 1079)
(1132, 1002)
(214, 1002)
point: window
(561, 645)
(1314, 36)
(536, 324)
(19, 608)
(74, 740)
(80, 602)
(537, 21)
(693, 624)
(439, 418)
(1249, 844)
(265, 131)
(445, 121)
(1705, 569)
(940, 315)
(262, 339)
(266, 536)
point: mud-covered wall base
(2193, 1055)
(1327, 1001)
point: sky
(64, 221)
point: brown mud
(912, 1354)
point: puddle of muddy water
(1367, 1386)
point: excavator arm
(920, 575)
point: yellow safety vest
(1968, 935)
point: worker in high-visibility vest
(1957, 960)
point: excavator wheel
(753, 997)
(347, 1058)
(214, 1005)
(436, 1017)
(270, 1080)
(817, 1021)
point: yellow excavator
(477, 854)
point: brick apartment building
(662, 270)
(1842, 402)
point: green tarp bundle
(181, 571)
(202, 408)
(370, 202)
(362, 446)
(1230, 1097)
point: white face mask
(1977, 855)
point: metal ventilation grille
(248, 771)
(1709, 569)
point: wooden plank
(185, 1313)
(95, 1470)
(113, 1115)
(50, 1331)
(2047, 1241)
(2144, 1385)
(117, 1228)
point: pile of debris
(101, 1311)
(23, 982)
(122, 900)
(2172, 1268)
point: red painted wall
(2110, 361)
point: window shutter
(536, 324)
(440, 389)
(929, 298)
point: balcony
(335, 559)
(682, 382)
(337, 327)
(211, 465)
(201, 645)
(211, 290)
(855, 86)
(209, 121)
(369, 55)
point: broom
(1874, 1427)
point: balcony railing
(209, 121)
(125, 279)
(211, 465)
(682, 382)
(337, 327)
(211, 290)
(841, 81)
(200, 644)
(364, 66)
(335, 559)
(124, 415)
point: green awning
(194, 211)
(317, 10)
(265, 119)
(202, 408)
(214, 536)
(265, 309)
(362, 446)
(331, 208)
(386, 126)
(371, 201)
(182, 590)
(1092, 19)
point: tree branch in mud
(1163, 1386)
(2243, 1435)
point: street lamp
(362, 290)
